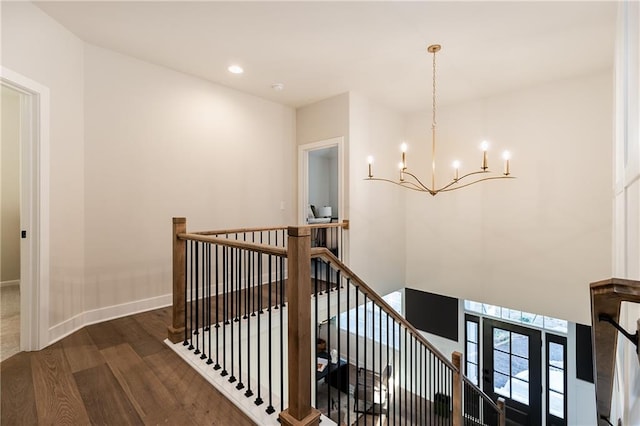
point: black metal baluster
(380, 353)
(281, 333)
(259, 400)
(209, 267)
(253, 279)
(315, 292)
(240, 385)
(234, 309)
(357, 344)
(395, 368)
(197, 270)
(389, 379)
(276, 307)
(366, 336)
(217, 326)
(411, 388)
(249, 264)
(348, 334)
(340, 379)
(406, 384)
(327, 277)
(204, 298)
(186, 294)
(191, 279)
(225, 279)
(270, 409)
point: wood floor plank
(18, 405)
(155, 322)
(81, 351)
(148, 395)
(138, 338)
(205, 403)
(104, 334)
(57, 398)
(104, 400)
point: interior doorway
(33, 209)
(10, 223)
(321, 189)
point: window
(511, 365)
(556, 366)
(513, 315)
(472, 343)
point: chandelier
(409, 180)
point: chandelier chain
(433, 119)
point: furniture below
(372, 390)
(336, 375)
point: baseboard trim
(65, 328)
(9, 283)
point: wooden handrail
(343, 224)
(260, 248)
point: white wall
(626, 242)
(10, 191)
(377, 224)
(533, 243)
(161, 144)
(132, 145)
(40, 49)
(326, 119)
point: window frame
(553, 420)
(476, 320)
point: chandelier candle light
(410, 181)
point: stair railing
(606, 299)
(230, 285)
(381, 350)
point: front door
(512, 370)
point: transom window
(521, 317)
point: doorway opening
(33, 188)
(10, 223)
(320, 174)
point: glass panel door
(512, 370)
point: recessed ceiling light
(235, 69)
(277, 86)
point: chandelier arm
(448, 189)
(409, 185)
(424, 187)
(455, 181)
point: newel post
(176, 329)
(456, 359)
(300, 411)
(502, 415)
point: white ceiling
(321, 49)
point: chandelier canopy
(409, 180)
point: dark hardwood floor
(117, 372)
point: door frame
(34, 208)
(303, 175)
(534, 360)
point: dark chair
(372, 390)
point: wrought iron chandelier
(409, 180)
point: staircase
(346, 356)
